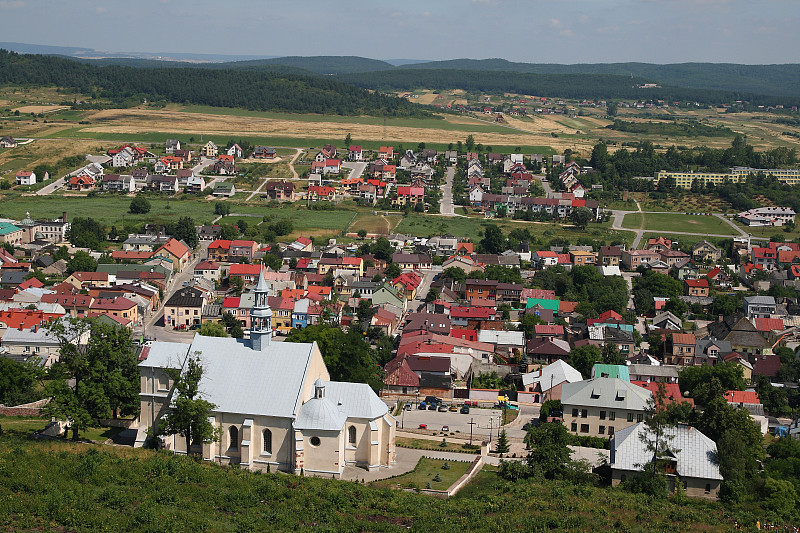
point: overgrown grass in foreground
(59, 485)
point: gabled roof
(605, 392)
(742, 396)
(767, 324)
(556, 373)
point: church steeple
(260, 316)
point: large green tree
(492, 241)
(189, 411)
(17, 381)
(583, 358)
(97, 374)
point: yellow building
(736, 175)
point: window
(639, 417)
(574, 426)
(708, 488)
(267, 438)
(630, 417)
(575, 412)
(610, 430)
(602, 430)
(315, 441)
(233, 438)
(351, 435)
(612, 415)
(584, 413)
(602, 415)
(584, 428)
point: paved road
(446, 207)
(356, 168)
(52, 187)
(261, 186)
(162, 333)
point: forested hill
(246, 89)
(316, 64)
(577, 86)
(778, 80)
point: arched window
(351, 435)
(233, 436)
(267, 441)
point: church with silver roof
(276, 406)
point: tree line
(247, 89)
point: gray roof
(39, 337)
(758, 300)
(693, 451)
(606, 392)
(241, 380)
(515, 338)
(357, 400)
(667, 371)
(555, 373)
(163, 354)
(320, 414)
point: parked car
(465, 409)
(453, 408)
(432, 399)
(407, 407)
(445, 428)
(432, 407)
(423, 426)
(422, 406)
(442, 408)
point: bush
(140, 205)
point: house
(36, 344)
(195, 185)
(118, 183)
(210, 149)
(759, 306)
(696, 287)
(328, 152)
(299, 421)
(412, 261)
(408, 195)
(176, 251)
(742, 335)
(219, 249)
(386, 153)
(658, 244)
(633, 259)
(680, 349)
(248, 273)
(673, 257)
(224, 167)
(81, 183)
(242, 250)
(688, 457)
(667, 374)
(705, 251)
(407, 284)
(599, 407)
(120, 307)
(184, 307)
(163, 183)
(265, 152)
(8, 142)
(280, 190)
(667, 320)
(610, 256)
(234, 151)
(317, 192)
(171, 145)
(210, 270)
(224, 189)
(546, 383)
(26, 177)
(355, 153)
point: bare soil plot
(40, 108)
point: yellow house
(210, 150)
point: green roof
(7, 227)
(611, 371)
(544, 303)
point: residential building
(184, 307)
(280, 190)
(680, 350)
(759, 306)
(688, 457)
(705, 251)
(696, 287)
(546, 383)
(26, 177)
(210, 150)
(599, 407)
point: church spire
(260, 316)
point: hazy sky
(549, 31)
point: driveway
(446, 207)
(356, 168)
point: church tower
(260, 316)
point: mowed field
(680, 222)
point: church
(276, 406)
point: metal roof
(605, 392)
(693, 451)
(555, 373)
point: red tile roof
(112, 304)
(545, 329)
(769, 324)
(683, 338)
(32, 282)
(131, 255)
(672, 391)
(567, 307)
(742, 396)
(220, 243)
(701, 283)
(231, 302)
(175, 248)
(245, 270)
(479, 313)
(207, 265)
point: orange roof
(175, 248)
(742, 396)
(220, 243)
(131, 255)
(769, 324)
(683, 338)
(294, 294)
(567, 307)
(32, 282)
(25, 319)
(315, 289)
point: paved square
(484, 419)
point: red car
(423, 426)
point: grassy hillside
(55, 485)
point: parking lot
(484, 420)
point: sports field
(669, 222)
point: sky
(533, 31)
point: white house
(476, 194)
(26, 177)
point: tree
(611, 108)
(382, 249)
(140, 205)
(81, 262)
(493, 241)
(697, 380)
(348, 140)
(237, 332)
(581, 216)
(364, 313)
(362, 233)
(86, 233)
(100, 363)
(212, 329)
(189, 412)
(432, 295)
(583, 358)
(611, 355)
(236, 284)
(455, 273)
(657, 436)
(549, 450)
(677, 307)
(221, 208)
(528, 323)
(392, 271)
(17, 381)
(184, 230)
(502, 442)
(470, 143)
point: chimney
(63, 216)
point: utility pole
(471, 423)
(491, 420)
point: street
(446, 207)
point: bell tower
(260, 316)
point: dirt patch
(40, 108)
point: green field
(424, 473)
(677, 222)
(63, 486)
